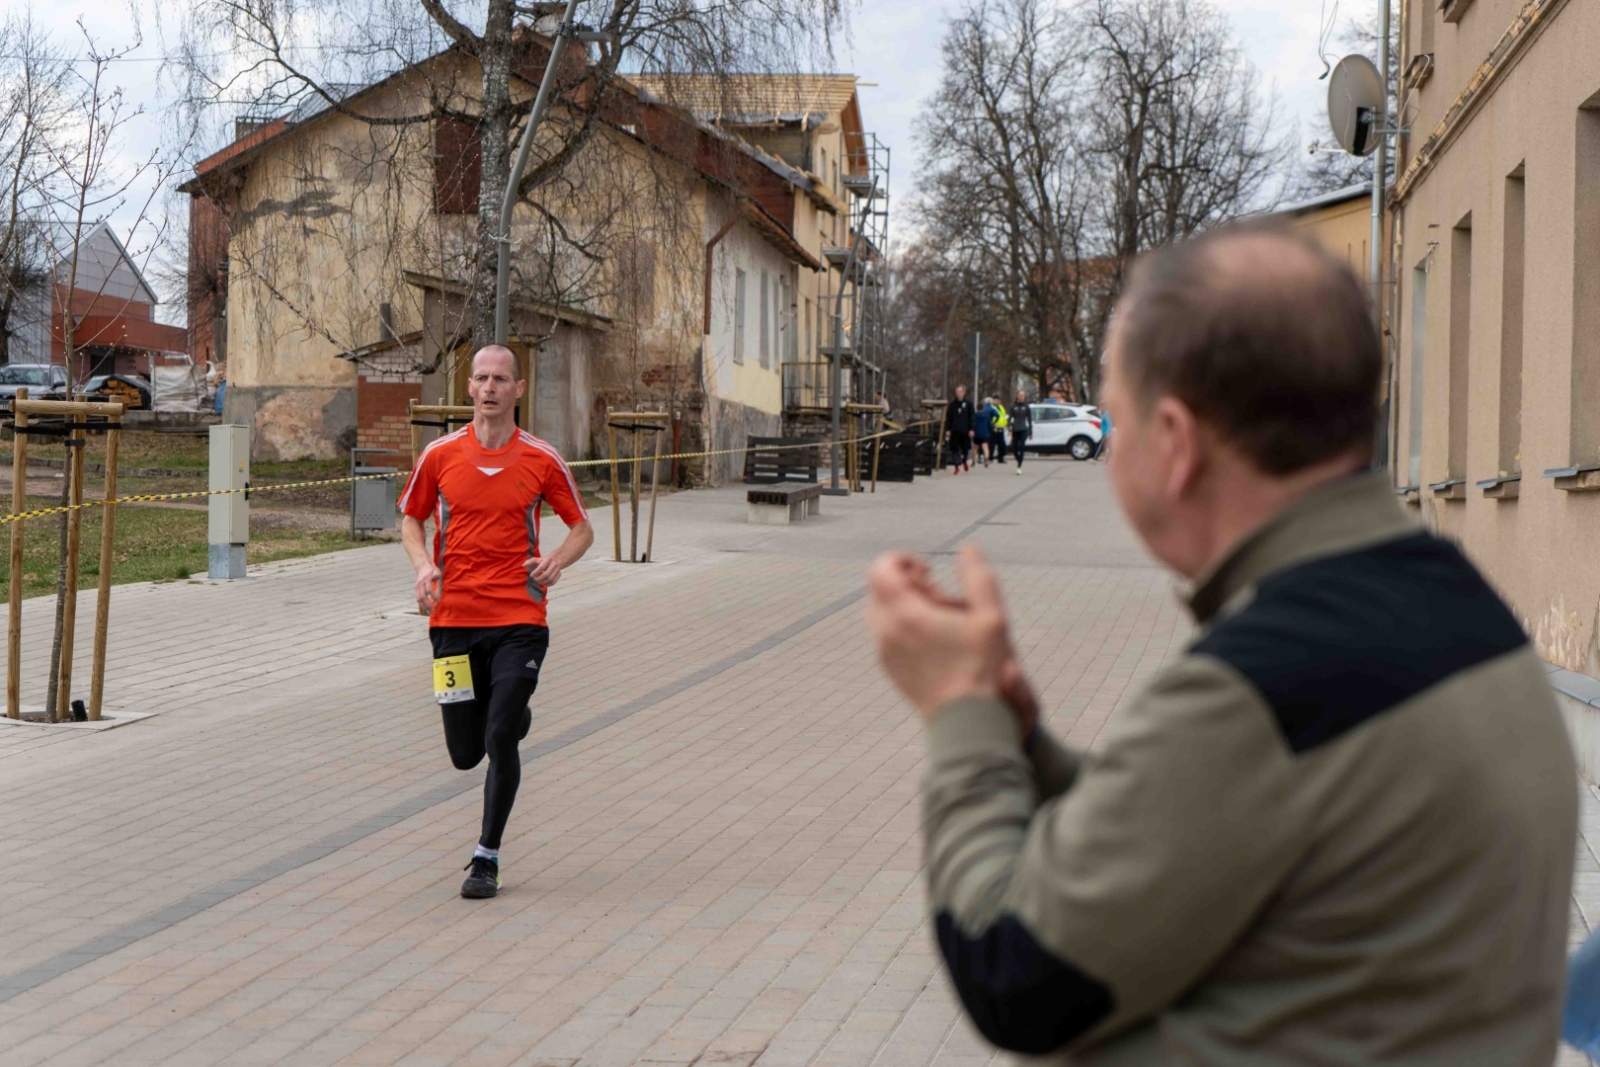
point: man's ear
(522, 388)
(1185, 439)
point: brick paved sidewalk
(714, 857)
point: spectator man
(958, 425)
(1338, 828)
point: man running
(1021, 426)
(484, 585)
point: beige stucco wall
(322, 243)
(1345, 230)
(1538, 548)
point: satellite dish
(1355, 105)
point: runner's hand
(429, 582)
(546, 570)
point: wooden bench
(779, 505)
(772, 460)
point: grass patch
(152, 544)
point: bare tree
(1183, 136)
(1008, 195)
(1065, 141)
(318, 50)
(34, 101)
(924, 326)
(93, 179)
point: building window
(1460, 344)
(1511, 303)
(1585, 444)
(636, 263)
(1419, 358)
(766, 323)
(457, 166)
(738, 316)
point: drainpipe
(705, 341)
(1379, 173)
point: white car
(1070, 428)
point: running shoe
(1019, 472)
(484, 881)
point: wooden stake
(655, 469)
(877, 450)
(69, 613)
(19, 504)
(102, 605)
(633, 500)
(616, 493)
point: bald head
(496, 357)
(1265, 337)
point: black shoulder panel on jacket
(1334, 642)
(1021, 997)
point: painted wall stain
(1565, 639)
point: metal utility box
(372, 502)
(229, 514)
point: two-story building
(95, 289)
(330, 266)
(1495, 301)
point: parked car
(45, 381)
(1070, 428)
(132, 391)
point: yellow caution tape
(146, 498)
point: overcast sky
(893, 43)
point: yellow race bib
(452, 679)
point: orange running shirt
(486, 513)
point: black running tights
(505, 672)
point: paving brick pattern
(729, 874)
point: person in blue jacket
(1580, 1018)
(983, 431)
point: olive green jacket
(1337, 830)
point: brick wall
(383, 389)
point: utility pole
(977, 353)
(1380, 163)
(502, 278)
(1380, 166)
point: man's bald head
(498, 356)
(1265, 337)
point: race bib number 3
(452, 679)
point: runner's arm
(546, 570)
(415, 540)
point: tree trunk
(494, 133)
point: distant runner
(1021, 426)
(484, 584)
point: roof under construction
(753, 98)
